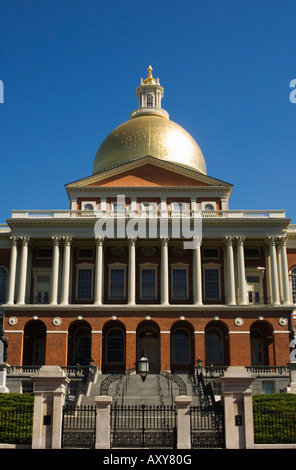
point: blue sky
(70, 69)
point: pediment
(149, 172)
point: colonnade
(235, 283)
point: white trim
(211, 265)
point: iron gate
(207, 426)
(79, 427)
(143, 426)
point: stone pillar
(99, 273)
(103, 404)
(12, 271)
(164, 272)
(292, 369)
(132, 272)
(274, 272)
(3, 371)
(55, 271)
(197, 282)
(241, 271)
(236, 390)
(285, 277)
(49, 398)
(183, 422)
(66, 271)
(230, 272)
(23, 271)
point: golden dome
(149, 132)
(149, 135)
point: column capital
(272, 240)
(164, 240)
(24, 240)
(13, 240)
(240, 240)
(100, 241)
(229, 240)
(283, 240)
(67, 240)
(132, 240)
(197, 241)
(56, 240)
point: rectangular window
(252, 253)
(85, 253)
(117, 283)
(211, 252)
(179, 283)
(44, 253)
(84, 285)
(212, 284)
(148, 283)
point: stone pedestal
(183, 422)
(3, 371)
(103, 404)
(49, 398)
(292, 386)
(236, 388)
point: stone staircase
(130, 390)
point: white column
(12, 271)
(23, 271)
(66, 271)
(241, 271)
(285, 278)
(274, 272)
(230, 272)
(55, 271)
(132, 272)
(197, 282)
(99, 272)
(164, 272)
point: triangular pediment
(149, 172)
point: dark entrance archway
(148, 341)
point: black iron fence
(79, 427)
(207, 426)
(273, 427)
(143, 426)
(16, 425)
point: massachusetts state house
(148, 257)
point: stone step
(130, 389)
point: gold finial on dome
(149, 78)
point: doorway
(149, 343)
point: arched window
(149, 101)
(213, 346)
(82, 345)
(3, 283)
(115, 346)
(181, 346)
(293, 282)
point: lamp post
(143, 366)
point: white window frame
(89, 266)
(117, 266)
(84, 203)
(148, 266)
(41, 272)
(258, 272)
(216, 266)
(179, 266)
(6, 283)
(290, 283)
(183, 209)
